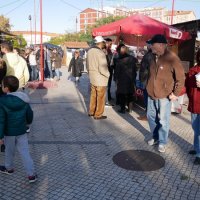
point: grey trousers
(21, 143)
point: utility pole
(30, 18)
(172, 15)
(41, 45)
(76, 24)
(35, 18)
(102, 8)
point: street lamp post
(41, 45)
(30, 18)
(172, 15)
(35, 19)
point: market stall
(136, 30)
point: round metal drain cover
(139, 160)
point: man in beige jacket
(16, 65)
(97, 67)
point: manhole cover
(139, 160)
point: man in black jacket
(144, 76)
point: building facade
(179, 17)
(89, 16)
(32, 38)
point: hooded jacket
(15, 114)
(193, 91)
(17, 66)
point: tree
(107, 20)
(84, 37)
(4, 24)
(71, 37)
(18, 42)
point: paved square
(73, 153)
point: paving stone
(73, 153)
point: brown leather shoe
(142, 118)
(102, 117)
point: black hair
(17, 49)
(108, 40)
(119, 47)
(11, 82)
(7, 45)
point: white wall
(27, 37)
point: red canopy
(139, 27)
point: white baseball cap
(99, 39)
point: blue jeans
(34, 72)
(47, 69)
(21, 143)
(195, 118)
(158, 114)
(57, 71)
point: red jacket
(192, 91)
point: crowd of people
(17, 67)
(15, 112)
(161, 73)
(52, 61)
(163, 78)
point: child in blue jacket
(15, 114)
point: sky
(59, 16)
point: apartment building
(89, 16)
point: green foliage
(107, 20)
(84, 37)
(4, 24)
(18, 42)
(71, 37)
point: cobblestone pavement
(73, 153)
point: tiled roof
(7, 33)
(76, 45)
(179, 12)
(33, 32)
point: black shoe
(192, 152)
(90, 115)
(5, 171)
(102, 117)
(108, 104)
(3, 148)
(197, 161)
(121, 111)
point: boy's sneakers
(5, 171)
(152, 142)
(3, 148)
(32, 179)
(28, 130)
(161, 148)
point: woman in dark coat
(76, 65)
(56, 63)
(125, 76)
